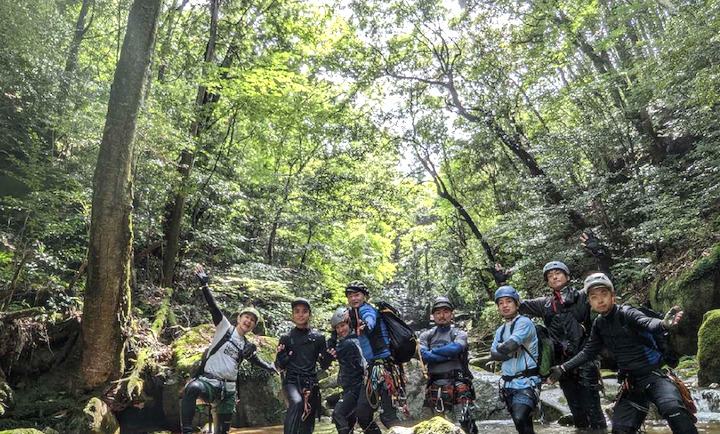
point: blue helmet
(507, 291)
(555, 265)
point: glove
(201, 275)
(249, 350)
(672, 318)
(590, 242)
(555, 373)
(500, 275)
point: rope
(307, 409)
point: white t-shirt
(226, 360)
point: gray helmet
(507, 291)
(356, 286)
(442, 302)
(302, 301)
(555, 265)
(251, 311)
(338, 317)
(598, 279)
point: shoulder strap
(214, 350)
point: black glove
(555, 373)
(248, 350)
(500, 276)
(498, 356)
(202, 276)
(592, 243)
(508, 347)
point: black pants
(365, 412)
(581, 389)
(521, 403)
(656, 388)
(193, 391)
(296, 406)
(343, 414)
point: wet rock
(709, 349)
(6, 397)
(22, 431)
(696, 290)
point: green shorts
(226, 405)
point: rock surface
(696, 290)
(709, 349)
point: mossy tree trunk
(107, 295)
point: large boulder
(259, 393)
(696, 290)
(708, 355)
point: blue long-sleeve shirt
(525, 335)
(440, 348)
(369, 317)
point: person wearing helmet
(566, 315)
(299, 353)
(345, 348)
(215, 379)
(444, 350)
(516, 346)
(631, 336)
(375, 344)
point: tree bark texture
(107, 295)
(187, 160)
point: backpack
(210, 351)
(660, 342)
(403, 343)
(545, 348)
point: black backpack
(403, 343)
(660, 342)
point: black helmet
(356, 286)
(302, 301)
(442, 302)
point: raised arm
(603, 258)
(532, 308)
(217, 315)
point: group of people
(369, 375)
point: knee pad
(194, 389)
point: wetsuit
(351, 378)
(300, 384)
(516, 344)
(374, 342)
(640, 365)
(566, 315)
(441, 348)
(217, 383)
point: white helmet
(598, 279)
(338, 316)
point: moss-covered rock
(696, 291)
(22, 431)
(97, 419)
(259, 393)
(709, 349)
(436, 425)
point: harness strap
(307, 409)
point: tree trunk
(187, 159)
(107, 294)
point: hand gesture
(281, 348)
(672, 318)
(332, 352)
(201, 275)
(249, 350)
(590, 242)
(555, 374)
(501, 276)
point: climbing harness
(386, 374)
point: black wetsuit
(308, 349)
(201, 389)
(351, 378)
(641, 365)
